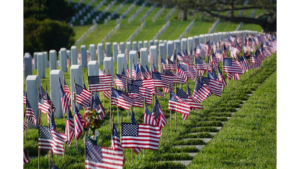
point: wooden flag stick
(61, 86)
(170, 114)
(110, 99)
(175, 111)
(26, 118)
(39, 123)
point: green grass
(225, 26)
(249, 139)
(200, 27)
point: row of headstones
(118, 27)
(240, 14)
(215, 24)
(137, 12)
(83, 36)
(158, 14)
(109, 17)
(108, 35)
(162, 30)
(123, 14)
(41, 58)
(187, 29)
(84, 9)
(147, 13)
(169, 14)
(135, 33)
(252, 13)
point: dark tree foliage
(216, 8)
(46, 35)
(45, 26)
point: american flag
(161, 80)
(120, 81)
(166, 80)
(242, 63)
(163, 64)
(181, 73)
(24, 98)
(133, 73)
(44, 106)
(47, 140)
(97, 106)
(64, 100)
(45, 95)
(146, 73)
(201, 92)
(148, 118)
(188, 70)
(25, 158)
(122, 98)
(157, 80)
(259, 56)
(139, 92)
(66, 89)
(24, 125)
(148, 83)
(143, 136)
(247, 63)
(213, 83)
(127, 71)
(188, 99)
(58, 138)
(221, 79)
(214, 61)
(159, 115)
(159, 93)
(83, 97)
(112, 96)
(231, 66)
(254, 62)
(115, 140)
(29, 114)
(103, 157)
(138, 73)
(154, 68)
(178, 105)
(202, 49)
(219, 55)
(79, 122)
(200, 64)
(171, 65)
(70, 130)
(99, 83)
(133, 121)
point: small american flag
(200, 64)
(120, 81)
(99, 83)
(83, 97)
(201, 92)
(154, 68)
(64, 100)
(24, 125)
(188, 70)
(159, 115)
(103, 157)
(25, 158)
(163, 64)
(115, 140)
(181, 73)
(231, 66)
(171, 65)
(70, 130)
(138, 92)
(66, 89)
(178, 105)
(138, 73)
(214, 61)
(58, 138)
(133, 121)
(159, 93)
(188, 99)
(143, 136)
(79, 122)
(24, 98)
(221, 79)
(97, 106)
(29, 114)
(148, 118)
(133, 73)
(144, 73)
(254, 62)
(213, 83)
(44, 106)
(123, 100)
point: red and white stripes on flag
(148, 118)
(58, 142)
(25, 158)
(201, 92)
(24, 125)
(178, 105)
(142, 136)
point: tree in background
(218, 8)
(45, 26)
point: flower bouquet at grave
(92, 122)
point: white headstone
(32, 83)
(83, 56)
(108, 49)
(122, 47)
(132, 57)
(153, 56)
(55, 75)
(76, 72)
(162, 51)
(177, 45)
(170, 48)
(93, 68)
(63, 60)
(74, 55)
(146, 45)
(121, 60)
(93, 52)
(100, 53)
(27, 64)
(140, 45)
(46, 65)
(53, 59)
(144, 57)
(190, 44)
(35, 60)
(41, 65)
(134, 45)
(108, 64)
(115, 51)
(183, 44)
(128, 47)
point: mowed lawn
(248, 139)
(200, 27)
